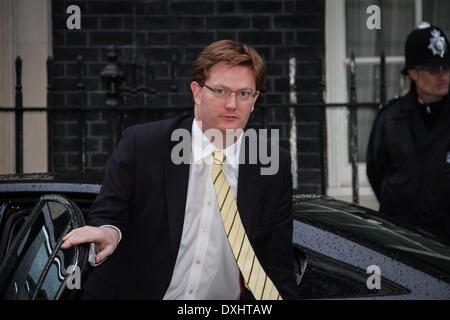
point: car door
(35, 266)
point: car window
(56, 275)
(36, 267)
(327, 278)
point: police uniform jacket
(408, 165)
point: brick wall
(166, 30)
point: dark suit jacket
(144, 195)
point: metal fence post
(19, 116)
(382, 79)
(50, 116)
(113, 77)
(81, 115)
(173, 61)
(322, 128)
(354, 130)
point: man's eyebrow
(228, 88)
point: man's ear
(254, 99)
(195, 88)
(412, 73)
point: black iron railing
(122, 101)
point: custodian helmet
(427, 46)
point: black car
(354, 252)
(36, 211)
(342, 251)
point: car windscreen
(360, 225)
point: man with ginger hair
(213, 228)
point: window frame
(339, 171)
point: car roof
(367, 227)
(71, 182)
(65, 177)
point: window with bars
(398, 18)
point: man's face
(431, 86)
(226, 112)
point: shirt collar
(202, 148)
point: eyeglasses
(435, 71)
(222, 93)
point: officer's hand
(106, 239)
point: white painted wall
(25, 31)
(339, 166)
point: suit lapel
(177, 177)
(248, 185)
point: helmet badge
(437, 43)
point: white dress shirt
(205, 267)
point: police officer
(408, 157)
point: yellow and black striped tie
(256, 280)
